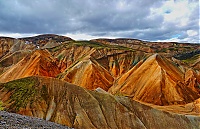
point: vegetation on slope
(24, 92)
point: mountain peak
(90, 74)
(156, 81)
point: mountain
(101, 83)
(89, 74)
(39, 62)
(156, 81)
(74, 106)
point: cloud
(147, 20)
(192, 32)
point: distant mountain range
(102, 83)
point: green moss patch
(23, 91)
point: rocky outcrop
(39, 62)
(71, 105)
(155, 81)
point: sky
(150, 20)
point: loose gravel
(16, 121)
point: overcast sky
(152, 20)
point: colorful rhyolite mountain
(103, 83)
(156, 81)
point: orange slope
(155, 81)
(39, 63)
(89, 74)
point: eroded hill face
(89, 74)
(39, 63)
(157, 81)
(71, 105)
